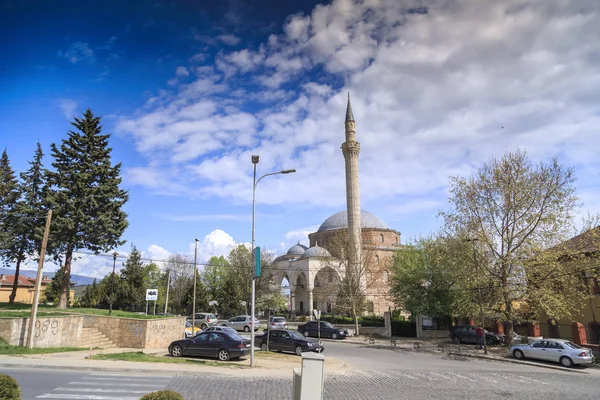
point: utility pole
(479, 290)
(168, 285)
(194, 301)
(38, 281)
(112, 284)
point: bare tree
(516, 210)
(357, 284)
(181, 268)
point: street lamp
(112, 284)
(194, 296)
(479, 290)
(254, 183)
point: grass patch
(23, 309)
(7, 349)
(26, 314)
(142, 357)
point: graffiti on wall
(159, 330)
(43, 326)
(134, 328)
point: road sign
(317, 314)
(151, 294)
(256, 262)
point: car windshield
(188, 324)
(235, 336)
(328, 324)
(211, 316)
(573, 345)
(296, 335)
(278, 319)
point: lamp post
(194, 296)
(479, 290)
(112, 284)
(254, 183)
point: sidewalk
(273, 364)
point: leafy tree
(54, 288)
(28, 223)
(433, 277)
(201, 295)
(91, 296)
(83, 192)
(516, 210)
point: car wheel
(177, 351)
(334, 335)
(566, 362)
(298, 350)
(456, 340)
(306, 333)
(246, 329)
(223, 355)
(263, 347)
(518, 354)
(203, 326)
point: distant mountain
(79, 280)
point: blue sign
(256, 262)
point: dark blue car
(221, 345)
(312, 328)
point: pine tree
(54, 289)
(29, 220)
(84, 194)
(134, 279)
(9, 196)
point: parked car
(189, 332)
(242, 323)
(204, 320)
(220, 329)
(290, 341)
(558, 350)
(311, 328)
(277, 323)
(466, 334)
(221, 345)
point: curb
(109, 369)
(556, 368)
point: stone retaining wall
(48, 331)
(138, 333)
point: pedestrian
(479, 333)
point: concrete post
(387, 318)
(308, 383)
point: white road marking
(117, 384)
(530, 380)
(83, 397)
(99, 390)
(118, 374)
(460, 376)
(126, 379)
(424, 377)
(405, 375)
(442, 376)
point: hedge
(404, 328)
(9, 388)
(163, 395)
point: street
(371, 373)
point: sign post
(317, 314)
(151, 295)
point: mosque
(352, 238)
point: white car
(558, 350)
(242, 323)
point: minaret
(351, 150)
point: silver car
(558, 350)
(220, 329)
(278, 323)
(242, 323)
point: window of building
(387, 276)
(381, 237)
(376, 259)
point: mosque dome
(296, 250)
(340, 221)
(315, 251)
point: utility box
(308, 381)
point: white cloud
(78, 52)
(216, 243)
(182, 72)
(229, 39)
(68, 107)
(431, 90)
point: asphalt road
(372, 373)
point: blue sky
(189, 91)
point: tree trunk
(13, 293)
(63, 299)
(355, 319)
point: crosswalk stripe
(148, 376)
(83, 397)
(125, 379)
(100, 390)
(117, 384)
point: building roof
(24, 281)
(340, 221)
(296, 250)
(315, 251)
(587, 242)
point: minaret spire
(349, 114)
(350, 124)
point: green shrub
(9, 388)
(404, 328)
(163, 395)
(371, 321)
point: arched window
(376, 259)
(381, 237)
(387, 276)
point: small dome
(315, 251)
(340, 221)
(296, 250)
